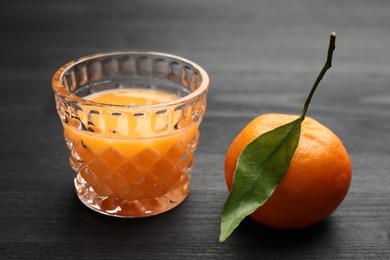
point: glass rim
(58, 86)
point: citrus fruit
(316, 181)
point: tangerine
(316, 182)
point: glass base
(118, 207)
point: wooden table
(262, 56)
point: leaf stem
(327, 65)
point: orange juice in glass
(131, 124)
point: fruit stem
(328, 65)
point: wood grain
(262, 56)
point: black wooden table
(262, 56)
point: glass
(131, 161)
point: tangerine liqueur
(134, 171)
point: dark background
(262, 56)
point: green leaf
(260, 168)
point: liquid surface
(131, 97)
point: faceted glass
(131, 161)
